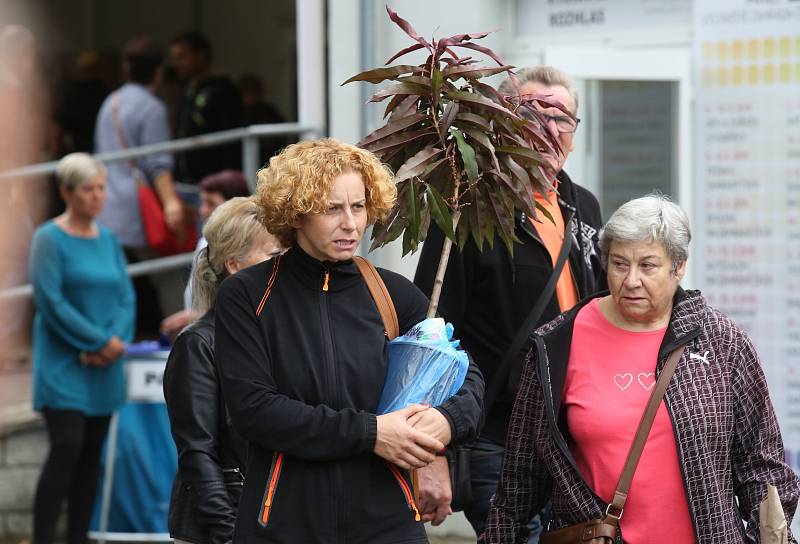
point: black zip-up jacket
(488, 294)
(727, 436)
(211, 455)
(302, 350)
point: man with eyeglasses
(489, 295)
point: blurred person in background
(257, 111)
(85, 314)
(82, 97)
(133, 116)
(214, 190)
(210, 103)
(211, 455)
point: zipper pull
(327, 277)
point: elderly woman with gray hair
(85, 313)
(714, 443)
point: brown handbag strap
(381, 296)
(640, 439)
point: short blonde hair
(230, 232)
(547, 76)
(76, 169)
(299, 179)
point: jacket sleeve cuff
(372, 431)
(457, 424)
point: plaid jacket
(728, 440)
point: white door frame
(672, 64)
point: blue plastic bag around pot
(424, 367)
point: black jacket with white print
(489, 292)
(727, 436)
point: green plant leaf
(436, 85)
(478, 136)
(545, 212)
(417, 164)
(467, 155)
(413, 208)
(392, 128)
(440, 212)
(379, 75)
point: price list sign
(747, 183)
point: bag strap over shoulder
(381, 296)
(640, 439)
(504, 369)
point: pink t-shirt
(609, 380)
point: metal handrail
(152, 266)
(169, 146)
(249, 137)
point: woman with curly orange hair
(301, 351)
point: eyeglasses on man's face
(564, 123)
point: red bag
(162, 240)
(156, 232)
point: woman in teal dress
(85, 314)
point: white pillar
(311, 88)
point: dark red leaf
(393, 127)
(459, 38)
(407, 28)
(397, 139)
(489, 92)
(405, 51)
(450, 113)
(404, 107)
(478, 100)
(401, 89)
(381, 74)
(485, 50)
(522, 187)
(418, 163)
(474, 119)
(473, 72)
(523, 153)
(420, 80)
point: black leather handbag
(460, 481)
